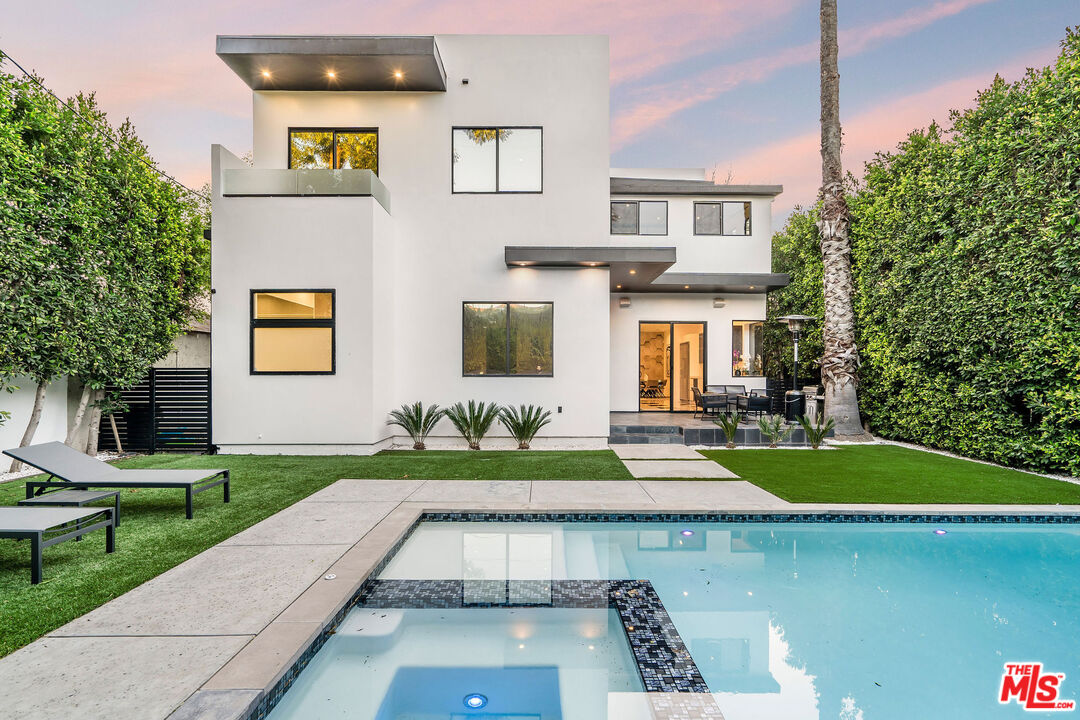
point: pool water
(803, 620)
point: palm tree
(840, 360)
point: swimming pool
(562, 620)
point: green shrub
(817, 430)
(774, 428)
(966, 264)
(416, 421)
(473, 420)
(524, 422)
(729, 423)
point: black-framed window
(292, 332)
(334, 148)
(497, 160)
(639, 217)
(503, 339)
(722, 218)
(746, 348)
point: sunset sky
(730, 84)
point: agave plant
(816, 432)
(774, 428)
(524, 422)
(729, 423)
(473, 420)
(416, 421)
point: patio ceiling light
(331, 74)
(266, 73)
(633, 272)
(398, 75)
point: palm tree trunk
(31, 427)
(840, 360)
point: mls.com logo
(1032, 689)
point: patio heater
(794, 400)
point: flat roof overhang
(727, 283)
(640, 269)
(664, 186)
(629, 266)
(358, 62)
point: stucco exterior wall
(54, 417)
(708, 253)
(401, 277)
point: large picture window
(490, 160)
(507, 339)
(639, 217)
(722, 218)
(746, 360)
(292, 332)
(334, 148)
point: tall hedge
(966, 252)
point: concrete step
(646, 429)
(644, 439)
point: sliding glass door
(671, 363)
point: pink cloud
(795, 162)
(667, 100)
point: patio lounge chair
(757, 401)
(704, 402)
(45, 526)
(73, 469)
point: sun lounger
(73, 469)
(46, 526)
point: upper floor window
(334, 148)
(639, 217)
(722, 218)
(490, 160)
(292, 332)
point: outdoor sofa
(45, 526)
(73, 469)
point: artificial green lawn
(888, 474)
(154, 536)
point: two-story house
(435, 219)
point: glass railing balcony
(251, 182)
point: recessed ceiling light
(618, 287)
(266, 73)
(751, 287)
(685, 287)
(398, 74)
(331, 74)
(475, 701)
(633, 272)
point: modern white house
(435, 219)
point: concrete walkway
(207, 638)
(669, 461)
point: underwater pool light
(687, 533)
(939, 531)
(475, 701)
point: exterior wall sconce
(624, 302)
(718, 302)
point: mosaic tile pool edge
(270, 698)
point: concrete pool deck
(207, 638)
